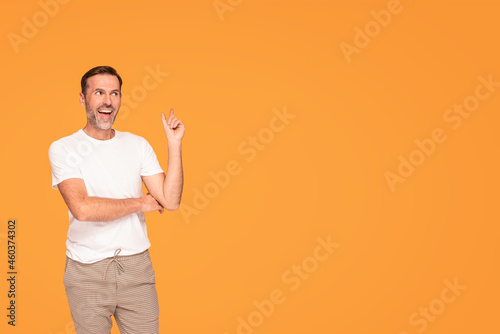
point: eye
(98, 92)
(115, 94)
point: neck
(97, 133)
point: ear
(82, 100)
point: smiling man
(99, 172)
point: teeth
(106, 111)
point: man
(99, 172)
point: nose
(107, 99)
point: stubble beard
(92, 119)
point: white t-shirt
(111, 169)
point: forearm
(107, 209)
(174, 179)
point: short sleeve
(150, 164)
(64, 164)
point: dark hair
(99, 70)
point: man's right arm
(89, 208)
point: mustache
(110, 107)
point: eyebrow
(114, 90)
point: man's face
(102, 100)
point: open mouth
(104, 112)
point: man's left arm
(167, 189)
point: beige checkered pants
(122, 286)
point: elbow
(171, 203)
(172, 206)
(80, 213)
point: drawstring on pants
(114, 259)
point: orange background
(323, 174)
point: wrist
(174, 143)
(139, 204)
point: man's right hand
(149, 204)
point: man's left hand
(174, 128)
